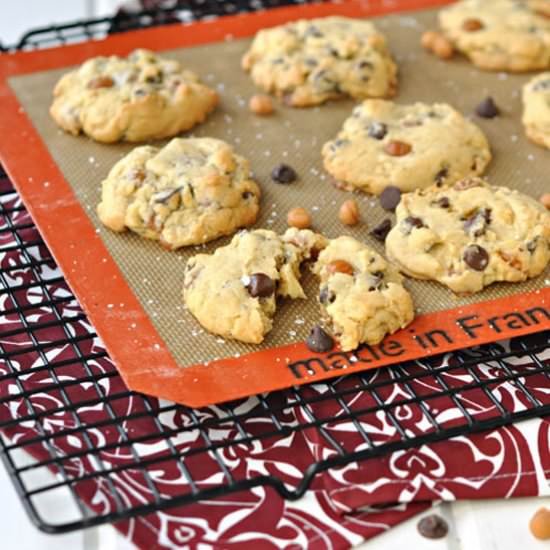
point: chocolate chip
(380, 232)
(541, 85)
(410, 223)
(326, 296)
(260, 285)
(532, 245)
(487, 108)
(433, 527)
(476, 257)
(282, 173)
(378, 130)
(247, 195)
(476, 224)
(441, 175)
(377, 281)
(390, 198)
(319, 341)
(443, 202)
(365, 64)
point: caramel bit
(101, 82)
(437, 44)
(349, 212)
(340, 266)
(397, 148)
(540, 524)
(545, 200)
(472, 25)
(261, 104)
(298, 217)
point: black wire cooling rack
(477, 382)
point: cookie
(406, 146)
(361, 294)
(499, 35)
(536, 109)
(233, 292)
(188, 192)
(470, 235)
(138, 98)
(308, 62)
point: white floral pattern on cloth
(344, 505)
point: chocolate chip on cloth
(260, 285)
(404, 146)
(319, 341)
(433, 527)
(233, 292)
(484, 235)
(361, 294)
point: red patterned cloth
(344, 506)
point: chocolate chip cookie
(406, 146)
(308, 62)
(188, 192)
(499, 35)
(469, 235)
(233, 292)
(138, 98)
(361, 294)
(536, 109)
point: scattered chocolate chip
(319, 341)
(380, 232)
(487, 108)
(283, 173)
(390, 198)
(476, 257)
(433, 527)
(260, 285)
(472, 25)
(397, 148)
(443, 202)
(247, 195)
(378, 130)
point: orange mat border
(141, 356)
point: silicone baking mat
(132, 287)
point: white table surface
(475, 525)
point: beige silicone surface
(295, 137)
